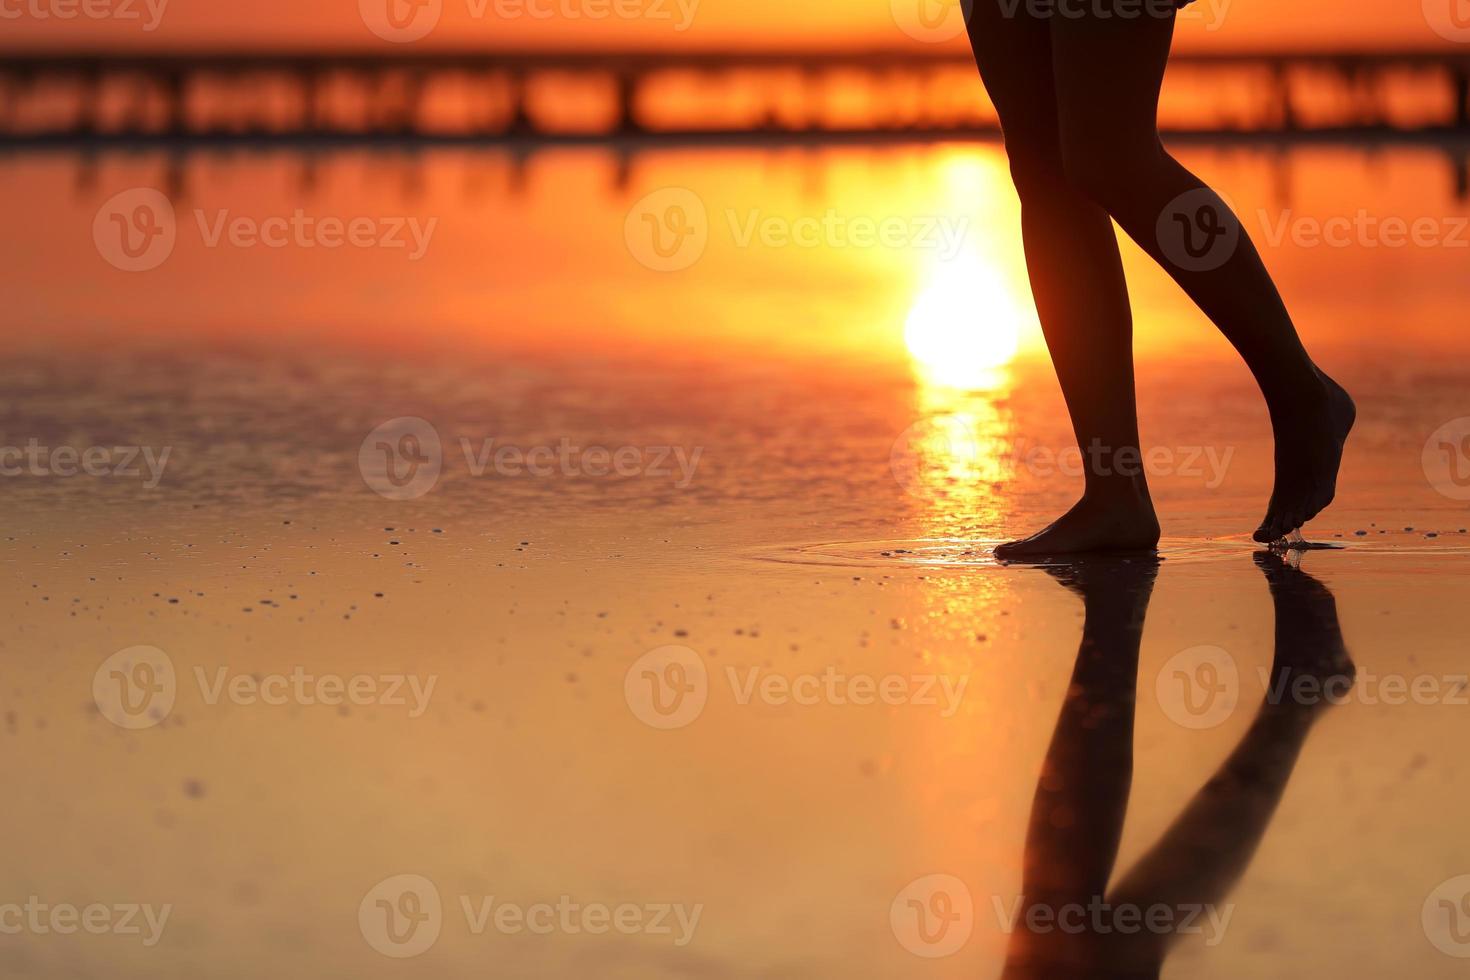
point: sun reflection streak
(956, 461)
(973, 311)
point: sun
(964, 324)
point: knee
(1113, 173)
(1036, 167)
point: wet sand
(878, 695)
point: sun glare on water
(964, 325)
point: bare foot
(1309, 441)
(1122, 523)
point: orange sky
(766, 23)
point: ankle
(1289, 396)
(1118, 492)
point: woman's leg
(1108, 71)
(1077, 280)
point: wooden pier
(58, 98)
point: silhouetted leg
(1108, 71)
(1207, 848)
(1077, 280)
(1082, 794)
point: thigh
(1108, 68)
(1013, 51)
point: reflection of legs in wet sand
(1078, 812)
(1082, 795)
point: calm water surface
(779, 412)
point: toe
(1271, 528)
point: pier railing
(72, 98)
